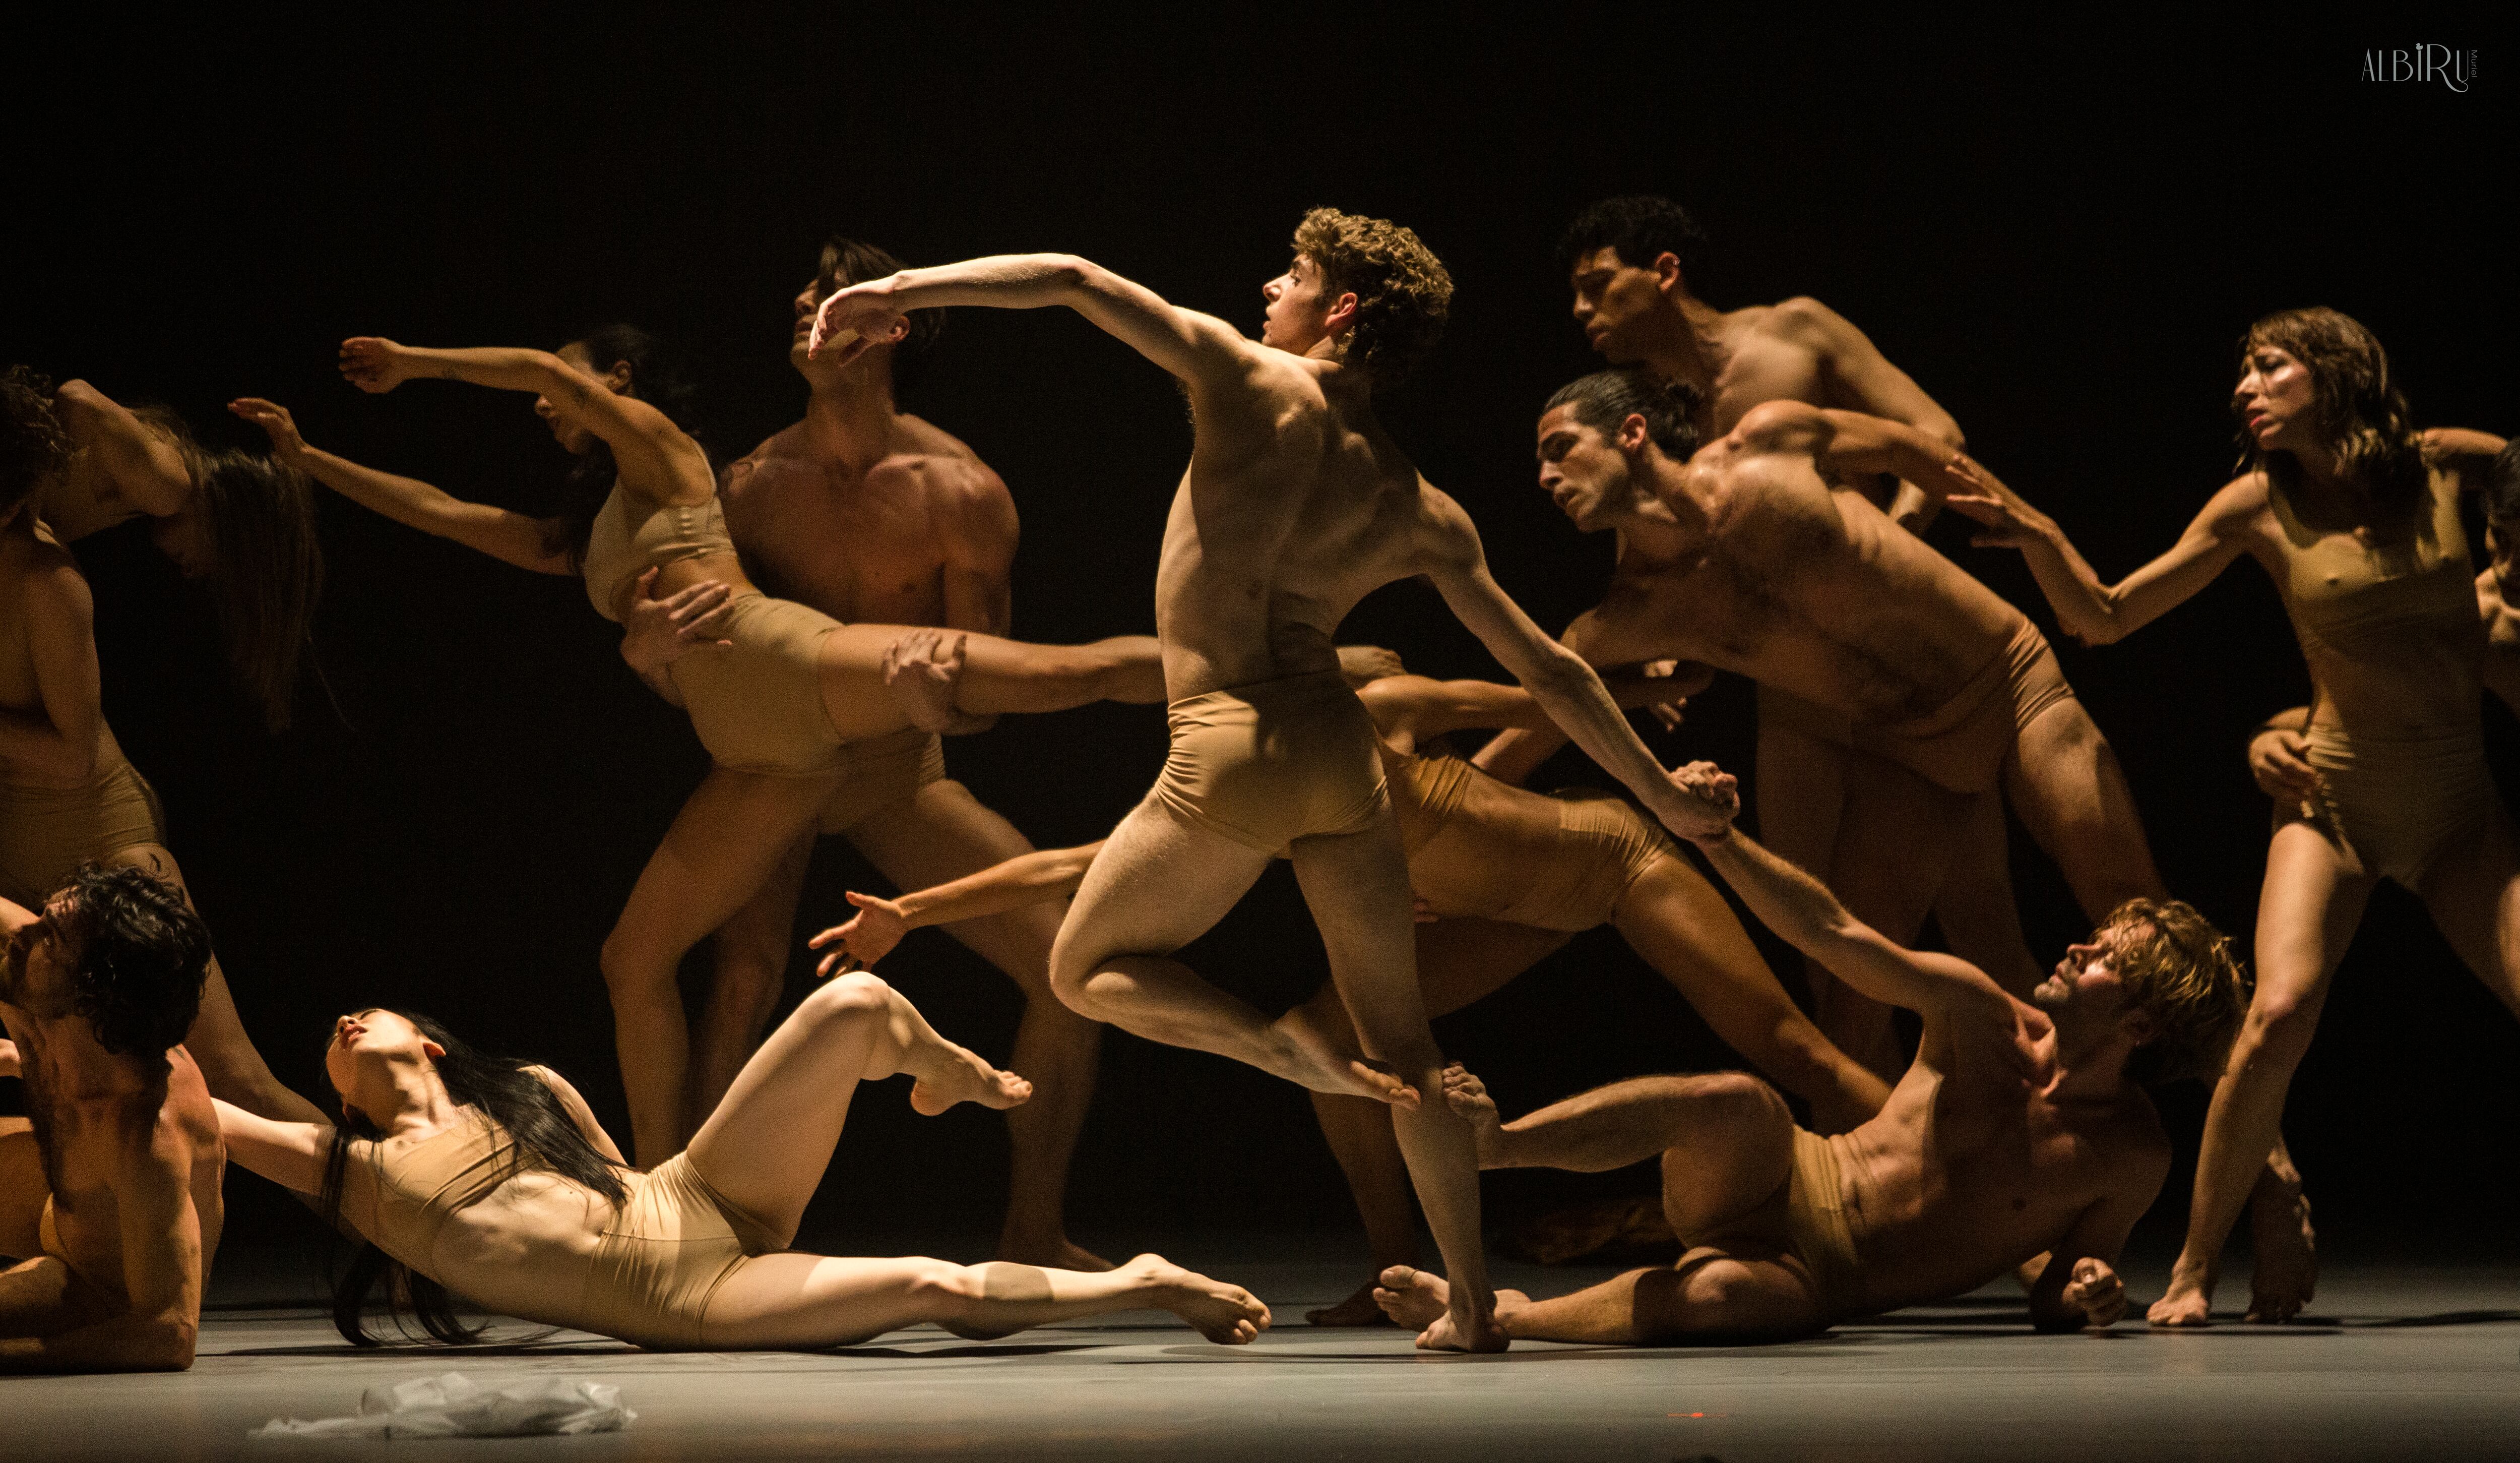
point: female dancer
(774, 698)
(2354, 513)
(1504, 877)
(491, 1179)
(68, 795)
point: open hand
(852, 320)
(375, 364)
(1710, 799)
(2098, 1290)
(2278, 759)
(867, 937)
(661, 632)
(277, 424)
(2006, 520)
(923, 669)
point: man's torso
(87, 1143)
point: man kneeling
(116, 1208)
(2019, 1129)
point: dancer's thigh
(810, 1300)
(2473, 892)
(1158, 884)
(942, 833)
(722, 848)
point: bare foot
(2188, 1304)
(1310, 1058)
(1226, 1314)
(1056, 1251)
(1358, 1309)
(1457, 1331)
(1470, 1098)
(2285, 1272)
(959, 1077)
(1412, 1298)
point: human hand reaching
(375, 364)
(661, 632)
(868, 936)
(286, 444)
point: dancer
(1294, 506)
(2019, 1129)
(121, 1203)
(227, 521)
(68, 795)
(1737, 554)
(2354, 513)
(1503, 879)
(777, 708)
(867, 513)
(483, 1177)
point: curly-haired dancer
(1295, 505)
(2353, 514)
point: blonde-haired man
(1296, 504)
(2020, 1129)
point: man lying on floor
(110, 1188)
(2019, 1129)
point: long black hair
(658, 378)
(540, 1134)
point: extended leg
(2307, 911)
(229, 1063)
(724, 844)
(2065, 781)
(944, 833)
(796, 1301)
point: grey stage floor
(2397, 1362)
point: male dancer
(1635, 263)
(1741, 555)
(872, 515)
(2019, 1129)
(122, 1202)
(1295, 505)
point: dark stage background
(2060, 235)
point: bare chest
(1762, 370)
(852, 546)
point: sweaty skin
(128, 1184)
(1295, 505)
(2014, 1133)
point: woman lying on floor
(470, 1175)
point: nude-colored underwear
(1961, 746)
(1815, 1224)
(880, 772)
(2398, 806)
(1603, 847)
(757, 704)
(1268, 763)
(47, 831)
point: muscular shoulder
(2238, 502)
(1808, 322)
(1795, 426)
(2447, 447)
(47, 582)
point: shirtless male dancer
(1296, 504)
(1740, 554)
(2020, 1129)
(109, 1189)
(1635, 263)
(872, 515)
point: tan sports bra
(401, 1192)
(2365, 601)
(633, 536)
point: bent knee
(1745, 1101)
(858, 997)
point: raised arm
(517, 538)
(580, 1114)
(630, 427)
(290, 1153)
(1198, 348)
(146, 472)
(1802, 910)
(55, 744)
(1025, 879)
(2097, 613)
(1411, 708)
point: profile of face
(35, 963)
(365, 1043)
(1297, 316)
(1589, 475)
(2276, 400)
(567, 426)
(2085, 990)
(1620, 306)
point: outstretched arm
(630, 427)
(1198, 348)
(145, 470)
(517, 538)
(1412, 707)
(2097, 613)
(1025, 879)
(1801, 909)
(289, 1153)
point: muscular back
(48, 670)
(881, 545)
(1295, 506)
(1803, 588)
